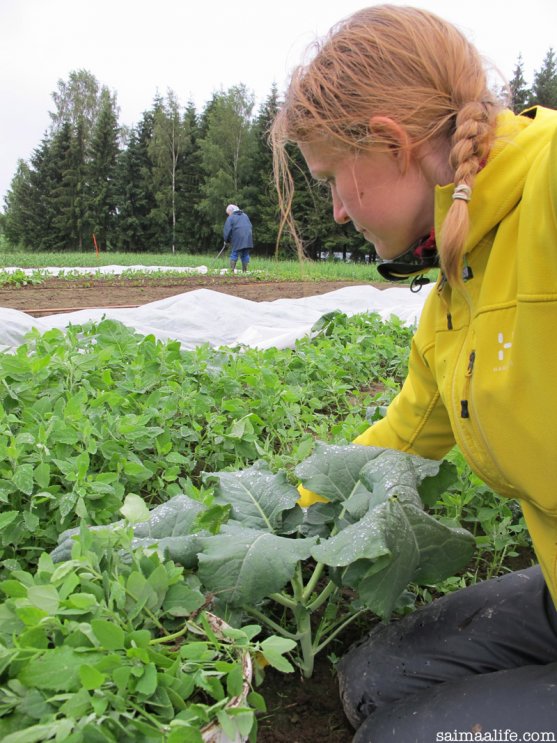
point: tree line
(163, 184)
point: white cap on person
(232, 208)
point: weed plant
(115, 645)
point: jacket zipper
(440, 288)
(464, 411)
(465, 404)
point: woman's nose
(339, 212)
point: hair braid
(471, 141)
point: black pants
(481, 659)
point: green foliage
(518, 88)
(262, 195)
(291, 570)
(21, 278)
(66, 203)
(93, 414)
(100, 200)
(67, 192)
(544, 89)
(137, 228)
(77, 100)
(97, 417)
(17, 204)
(169, 145)
(29, 215)
(497, 523)
(115, 645)
(226, 154)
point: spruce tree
(191, 230)
(136, 194)
(129, 195)
(67, 196)
(18, 205)
(544, 89)
(101, 173)
(64, 174)
(520, 93)
(265, 215)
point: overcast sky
(196, 47)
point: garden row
(107, 636)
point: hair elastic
(463, 192)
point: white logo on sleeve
(504, 346)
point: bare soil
(298, 710)
(303, 710)
(63, 295)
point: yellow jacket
(486, 378)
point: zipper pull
(471, 360)
(440, 288)
(467, 272)
(464, 412)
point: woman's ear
(392, 134)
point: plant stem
(283, 600)
(256, 614)
(310, 587)
(169, 638)
(339, 629)
(297, 584)
(141, 712)
(303, 623)
(323, 596)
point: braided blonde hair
(406, 64)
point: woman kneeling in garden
(395, 114)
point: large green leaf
(365, 540)
(443, 549)
(169, 526)
(242, 566)
(380, 583)
(174, 518)
(333, 471)
(259, 499)
(393, 542)
(395, 473)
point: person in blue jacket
(238, 232)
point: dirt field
(62, 295)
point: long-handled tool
(222, 250)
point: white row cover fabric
(206, 316)
(110, 270)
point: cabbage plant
(307, 573)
